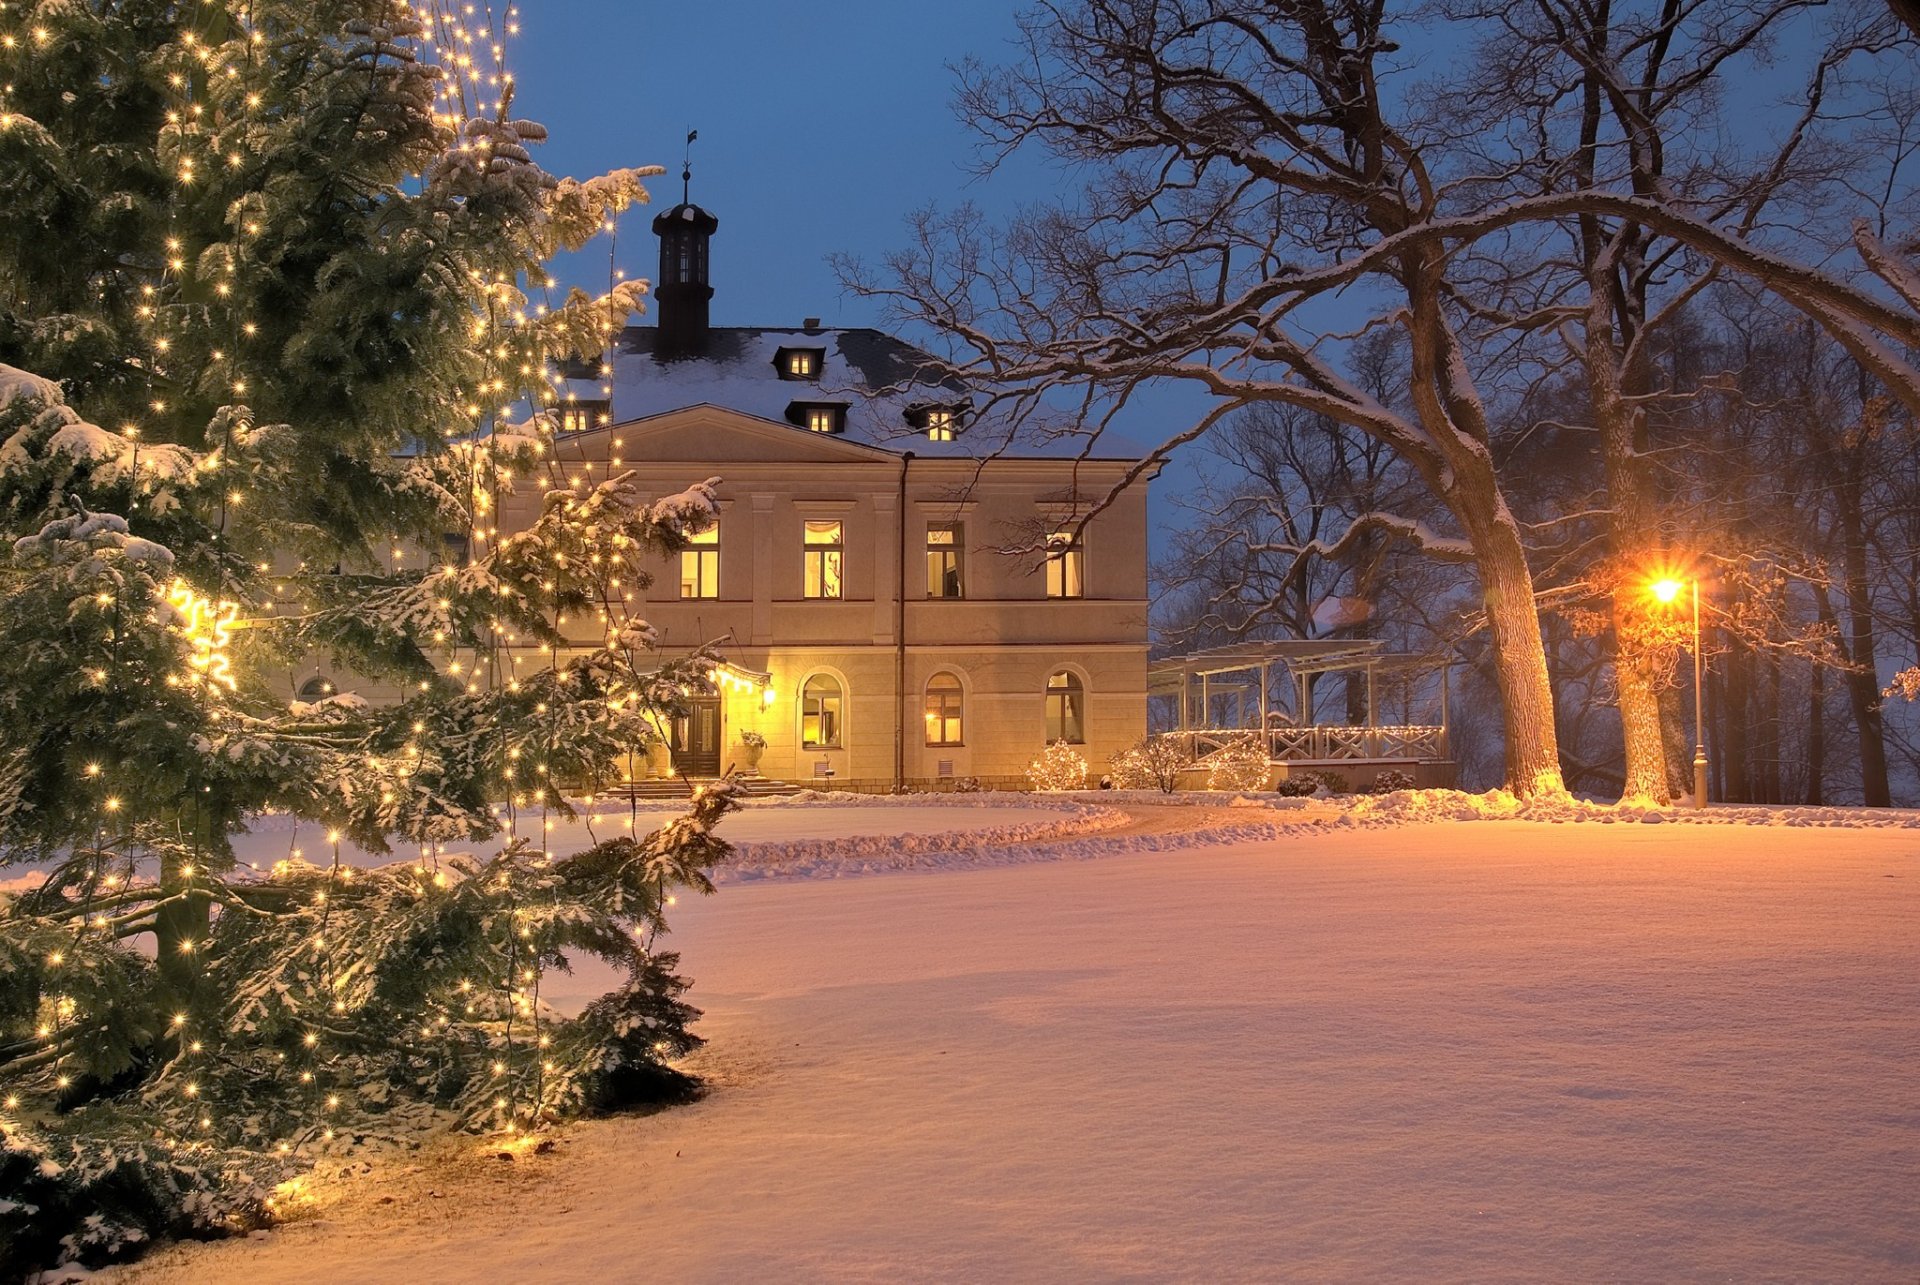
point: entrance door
(696, 738)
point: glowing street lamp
(1667, 591)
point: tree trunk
(1863, 678)
(180, 931)
(1629, 524)
(1737, 748)
(1817, 735)
(1533, 745)
(1646, 779)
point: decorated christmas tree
(274, 343)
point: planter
(659, 758)
(750, 755)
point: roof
(1299, 655)
(877, 377)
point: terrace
(1277, 689)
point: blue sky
(822, 126)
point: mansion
(864, 582)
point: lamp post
(1666, 591)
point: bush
(1059, 767)
(1390, 780)
(1153, 763)
(1305, 783)
(1240, 765)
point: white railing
(1396, 741)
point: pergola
(1245, 670)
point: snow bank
(1407, 807)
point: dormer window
(579, 416)
(800, 363)
(818, 417)
(942, 423)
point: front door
(696, 738)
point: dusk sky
(821, 129)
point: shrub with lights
(274, 346)
(1152, 763)
(1239, 765)
(1059, 767)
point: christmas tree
(274, 343)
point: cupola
(681, 290)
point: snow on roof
(878, 378)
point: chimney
(811, 323)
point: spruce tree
(272, 349)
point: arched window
(946, 702)
(821, 702)
(1066, 708)
(315, 689)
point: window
(822, 554)
(818, 417)
(799, 363)
(946, 550)
(1066, 565)
(700, 565)
(940, 426)
(1066, 708)
(945, 702)
(578, 417)
(315, 689)
(820, 704)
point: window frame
(1066, 564)
(818, 557)
(944, 709)
(1072, 696)
(954, 553)
(837, 713)
(704, 551)
(591, 412)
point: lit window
(946, 549)
(822, 555)
(945, 701)
(823, 419)
(578, 417)
(820, 704)
(803, 363)
(940, 425)
(700, 565)
(1066, 709)
(315, 689)
(1066, 565)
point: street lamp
(1668, 591)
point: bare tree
(1249, 167)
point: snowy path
(1489, 1051)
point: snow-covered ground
(770, 835)
(1506, 1050)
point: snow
(1501, 1051)
(877, 377)
(17, 384)
(806, 835)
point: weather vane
(686, 169)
